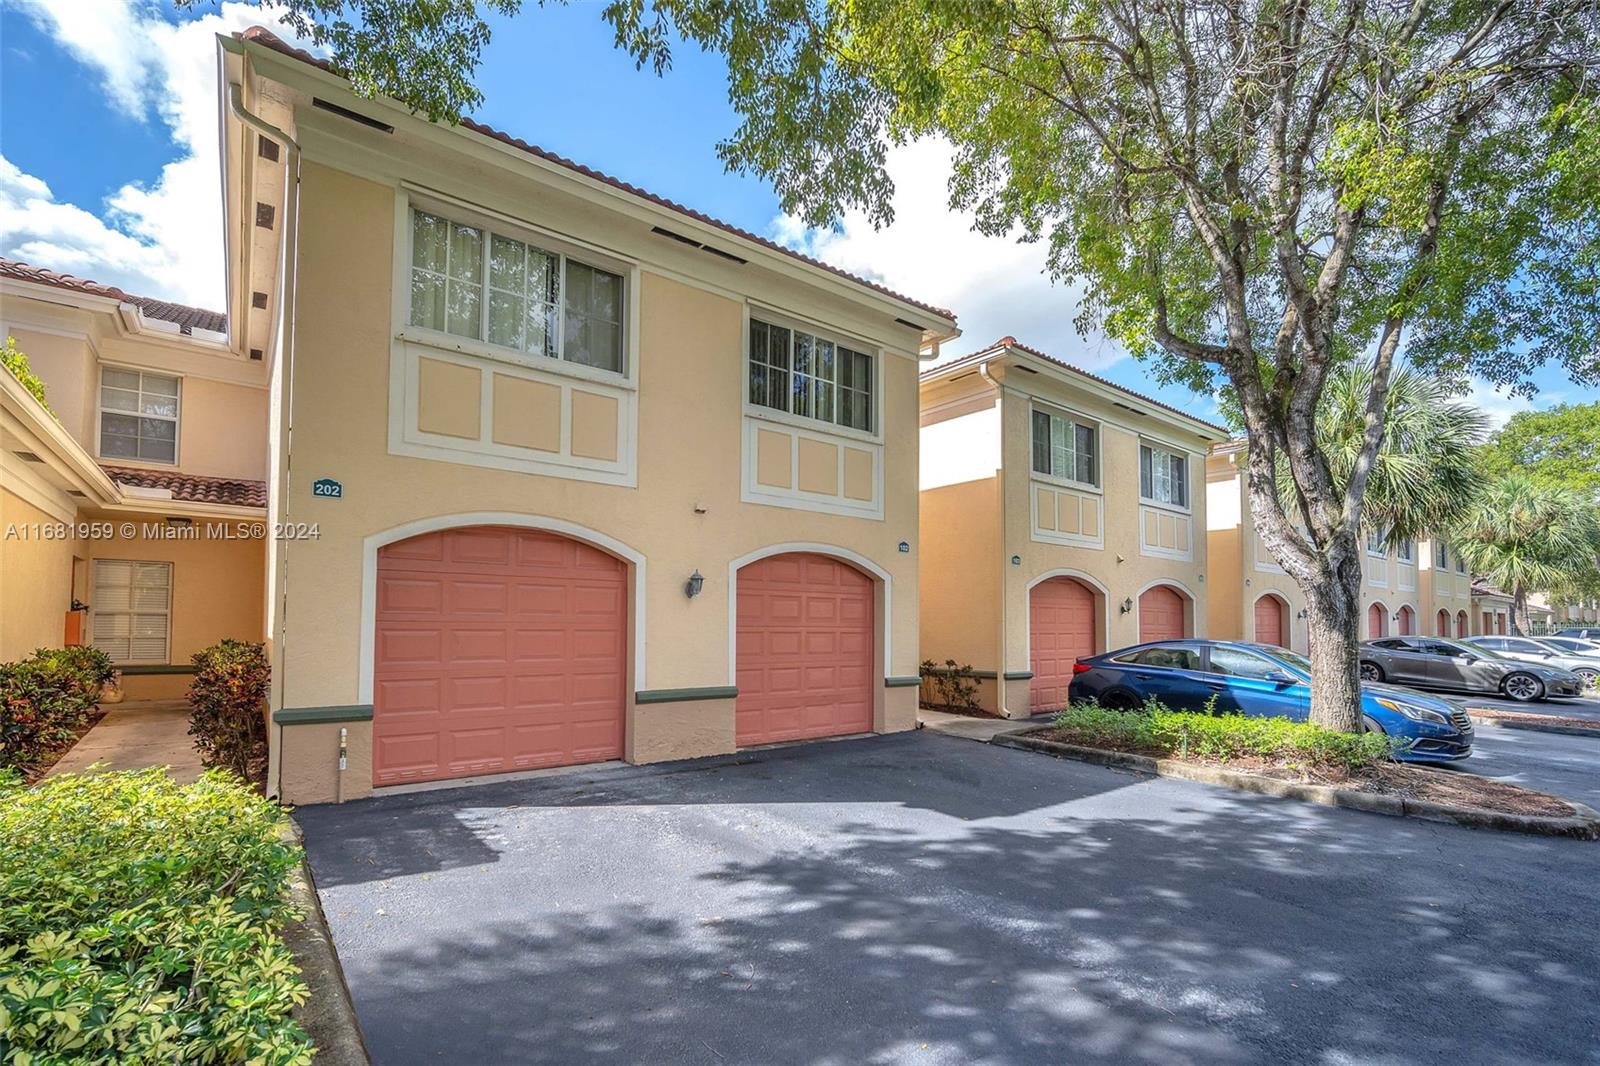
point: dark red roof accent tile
(1012, 342)
(193, 488)
(265, 37)
(185, 317)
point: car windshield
(1474, 649)
(1284, 655)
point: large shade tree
(1251, 192)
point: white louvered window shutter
(132, 608)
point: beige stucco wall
(960, 578)
(68, 368)
(684, 515)
(1240, 568)
(35, 580)
(222, 429)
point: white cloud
(1499, 405)
(997, 286)
(160, 238)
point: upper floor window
(1406, 551)
(1441, 555)
(470, 282)
(1375, 541)
(806, 375)
(1461, 564)
(1163, 476)
(138, 416)
(1064, 448)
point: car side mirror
(1279, 677)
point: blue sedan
(1259, 679)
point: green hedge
(45, 699)
(1223, 736)
(139, 923)
(226, 701)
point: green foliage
(225, 707)
(16, 362)
(950, 686)
(1521, 535)
(1558, 447)
(1424, 473)
(45, 700)
(1154, 728)
(140, 921)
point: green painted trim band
(685, 695)
(358, 712)
(1019, 675)
(977, 675)
(135, 669)
(901, 682)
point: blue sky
(114, 176)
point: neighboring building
(1389, 592)
(137, 496)
(586, 474)
(1491, 610)
(1445, 590)
(1062, 516)
(1249, 596)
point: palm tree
(1424, 475)
(1522, 536)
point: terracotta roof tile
(193, 488)
(185, 317)
(1012, 342)
(265, 37)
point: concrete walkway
(134, 736)
(979, 729)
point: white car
(1585, 662)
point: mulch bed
(37, 770)
(965, 712)
(1457, 788)
(1531, 717)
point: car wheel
(1368, 725)
(1523, 688)
(1588, 677)
(1119, 701)
(1371, 671)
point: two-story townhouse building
(1389, 586)
(1445, 589)
(583, 474)
(1249, 596)
(133, 498)
(1061, 517)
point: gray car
(1434, 662)
(1583, 662)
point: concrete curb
(1534, 726)
(1583, 824)
(328, 1017)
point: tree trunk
(1521, 622)
(1334, 621)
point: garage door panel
(463, 684)
(1162, 615)
(1061, 614)
(804, 649)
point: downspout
(1000, 499)
(287, 272)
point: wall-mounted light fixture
(692, 587)
(905, 546)
(1126, 605)
(1301, 613)
(1016, 560)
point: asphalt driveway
(922, 899)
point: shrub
(45, 700)
(1223, 736)
(140, 920)
(225, 705)
(951, 685)
(16, 362)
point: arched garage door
(1060, 630)
(804, 658)
(496, 649)
(1441, 624)
(1270, 621)
(1161, 614)
(1405, 623)
(1377, 621)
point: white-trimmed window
(802, 374)
(1441, 555)
(1375, 541)
(470, 282)
(1163, 476)
(1406, 551)
(138, 416)
(1065, 448)
(132, 605)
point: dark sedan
(1434, 662)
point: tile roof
(265, 37)
(186, 318)
(193, 488)
(1011, 342)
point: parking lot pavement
(1587, 708)
(921, 899)
(1568, 766)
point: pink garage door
(1375, 621)
(1441, 624)
(1461, 624)
(1404, 624)
(804, 657)
(497, 649)
(1060, 630)
(1269, 622)
(1161, 614)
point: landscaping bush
(1156, 729)
(225, 707)
(17, 362)
(140, 920)
(953, 687)
(45, 700)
